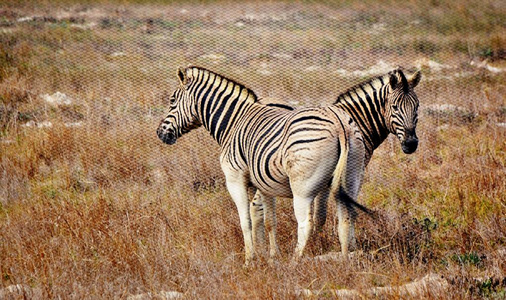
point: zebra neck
(221, 106)
(365, 104)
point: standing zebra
(380, 106)
(279, 151)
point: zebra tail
(343, 196)
(337, 180)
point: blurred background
(93, 205)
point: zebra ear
(414, 79)
(393, 81)
(181, 74)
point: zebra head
(401, 108)
(182, 116)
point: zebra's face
(402, 109)
(168, 130)
(181, 118)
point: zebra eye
(172, 100)
(395, 108)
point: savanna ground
(93, 205)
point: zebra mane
(377, 81)
(242, 86)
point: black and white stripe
(379, 106)
(282, 152)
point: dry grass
(104, 210)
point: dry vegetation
(93, 205)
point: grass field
(93, 205)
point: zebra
(281, 152)
(382, 105)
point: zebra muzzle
(409, 145)
(167, 136)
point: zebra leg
(257, 221)
(302, 208)
(350, 183)
(346, 215)
(320, 210)
(270, 225)
(237, 187)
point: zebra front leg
(237, 187)
(257, 221)
(270, 225)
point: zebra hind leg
(320, 210)
(347, 193)
(302, 208)
(346, 227)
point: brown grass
(105, 210)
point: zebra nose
(409, 145)
(167, 135)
